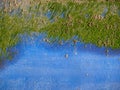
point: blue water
(39, 65)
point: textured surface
(43, 66)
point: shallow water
(43, 66)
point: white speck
(75, 53)
(87, 74)
(66, 55)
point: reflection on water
(43, 66)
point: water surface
(43, 66)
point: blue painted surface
(43, 66)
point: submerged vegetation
(91, 21)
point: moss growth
(14, 23)
(92, 22)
